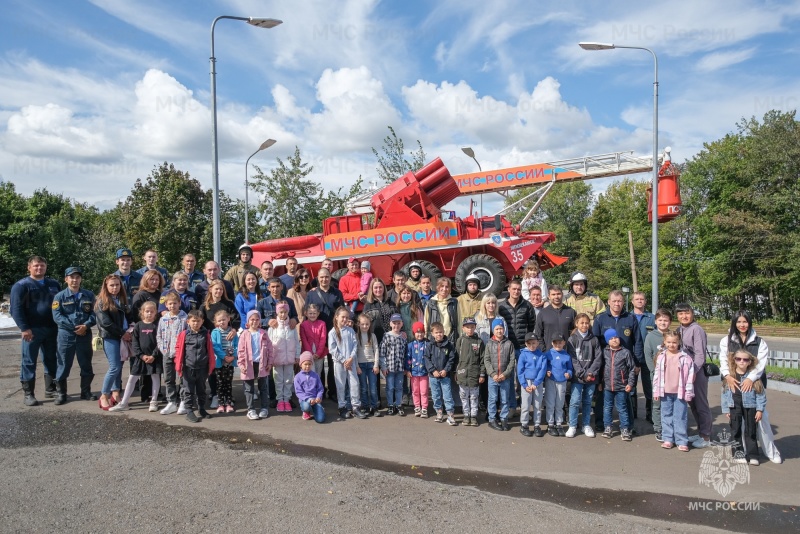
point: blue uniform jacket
(74, 309)
(131, 283)
(32, 302)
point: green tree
(393, 163)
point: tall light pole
(261, 23)
(471, 153)
(607, 46)
(266, 144)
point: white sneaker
(701, 444)
(118, 408)
(754, 461)
(214, 402)
(263, 414)
(252, 415)
(571, 431)
(170, 408)
(182, 410)
(153, 406)
(588, 431)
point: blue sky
(93, 94)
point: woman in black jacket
(113, 316)
(379, 308)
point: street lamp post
(471, 153)
(258, 22)
(608, 46)
(266, 144)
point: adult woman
(217, 300)
(249, 294)
(741, 335)
(113, 316)
(379, 308)
(410, 308)
(149, 289)
(299, 292)
(443, 308)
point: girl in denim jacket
(744, 408)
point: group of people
(534, 353)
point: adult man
(521, 319)
(235, 274)
(695, 342)
(536, 299)
(328, 265)
(73, 312)
(558, 318)
(151, 262)
(399, 281)
(647, 323)
(414, 275)
(425, 289)
(266, 306)
(350, 285)
(627, 327)
(189, 261)
(211, 270)
(329, 299)
(291, 269)
(470, 302)
(130, 279)
(31, 309)
(180, 285)
(267, 271)
(581, 300)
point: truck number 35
(516, 256)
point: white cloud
(721, 60)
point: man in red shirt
(350, 286)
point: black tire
(337, 275)
(487, 269)
(428, 269)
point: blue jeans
(113, 379)
(394, 389)
(580, 398)
(368, 383)
(618, 400)
(314, 409)
(674, 419)
(441, 390)
(44, 342)
(502, 389)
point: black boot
(49, 386)
(86, 388)
(61, 392)
(28, 386)
(648, 407)
(634, 406)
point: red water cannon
(669, 191)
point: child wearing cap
(618, 380)
(499, 360)
(470, 371)
(440, 361)
(416, 371)
(286, 350)
(531, 370)
(559, 373)
(309, 390)
(393, 350)
(255, 363)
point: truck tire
(428, 269)
(487, 269)
(337, 275)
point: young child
(587, 360)
(531, 371)
(743, 408)
(653, 344)
(499, 360)
(366, 280)
(532, 277)
(255, 364)
(470, 372)
(194, 361)
(368, 357)
(674, 386)
(224, 350)
(618, 380)
(559, 373)
(314, 337)
(172, 323)
(146, 358)
(286, 351)
(393, 351)
(309, 390)
(343, 347)
(416, 371)
(439, 362)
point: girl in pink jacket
(255, 363)
(314, 337)
(286, 348)
(673, 386)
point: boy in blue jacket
(531, 370)
(559, 372)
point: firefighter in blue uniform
(31, 303)
(73, 312)
(151, 262)
(131, 280)
(188, 262)
(180, 283)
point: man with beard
(235, 274)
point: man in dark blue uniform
(131, 280)
(31, 303)
(189, 262)
(73, 312)
(151, 262)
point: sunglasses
(304, 276)
(742, 359)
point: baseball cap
(73, 270)
(557, 337)
(124, 253)
(352, 260)
(529, 336)
(468, 321)
(396, 317)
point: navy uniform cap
(73, 270)
(124, 253)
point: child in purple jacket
(309, 390)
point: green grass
(781, 374)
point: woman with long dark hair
(113, 317)
(299, 291)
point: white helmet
(578, 276)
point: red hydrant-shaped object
(669, 192)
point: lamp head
(266, 144)
(596, 46)
(468, 151)
(264, 23)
